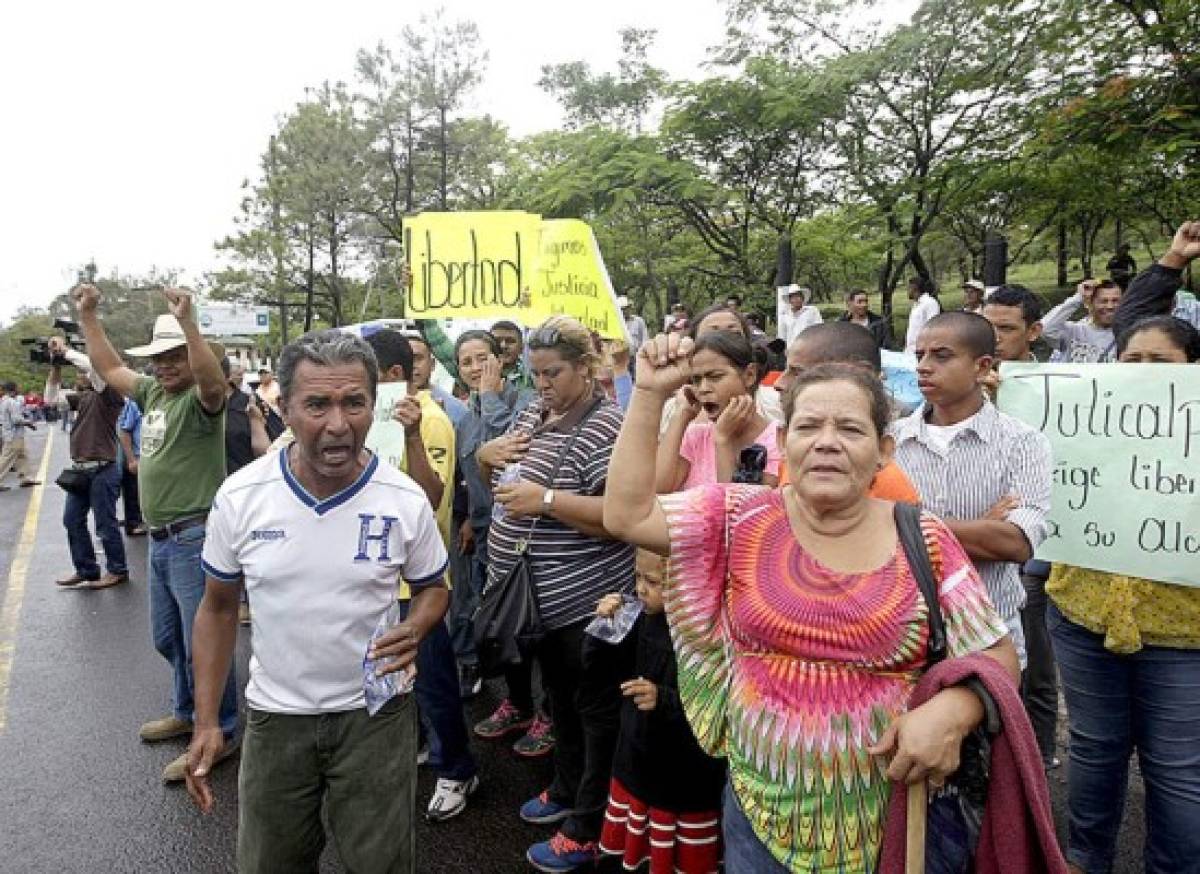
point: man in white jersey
(321, 534)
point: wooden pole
(914, 847)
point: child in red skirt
(665, 797)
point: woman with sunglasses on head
(717, 421)
(554, 507)
(1128, 652)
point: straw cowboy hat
(801, 290)
(168, 335)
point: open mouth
(335, 455)
(711, 409)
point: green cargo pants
(363, 768)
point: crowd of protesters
(727, 621)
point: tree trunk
(310, 284)
(918, 263)
(335, 286)
(1061, 254)
(410, 175)
(444, 148)
(283, 321)
(1085, 249)
(885, 288)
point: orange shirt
(890, 484)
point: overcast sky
(129, 126)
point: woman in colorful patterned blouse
(798, 625)
(1129, 654)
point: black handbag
(75, 481)
(955, 812)
(508, 624)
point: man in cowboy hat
(799, 315)
(181, 466)
(635, 326)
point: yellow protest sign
(475, 265)
(470, 264)
(573, 280)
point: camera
(752, 462)
(39, 347)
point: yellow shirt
(437, 433)
(1129, 612)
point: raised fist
(86, 297)
(179, 302)
(663, 364)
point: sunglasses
(544, 338)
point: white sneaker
(450, 798)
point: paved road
(80, 793)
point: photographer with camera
(93, 481)
(12, 431)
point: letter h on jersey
(367, 540)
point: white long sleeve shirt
(923, 310)
(793, 324)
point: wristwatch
(547, 502)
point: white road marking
(10, 613)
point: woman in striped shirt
(549, 474)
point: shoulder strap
(916, 550)
(565, 450)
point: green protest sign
(1126, 445)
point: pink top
(699, 448)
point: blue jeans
(745, 853)
(1148, 701)
(176, 587)
(440, 701)
(464, 597)
(101, 499)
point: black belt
(178, 526)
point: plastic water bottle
(510, 474)
(615, 628)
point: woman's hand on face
(735, 418)
(925, 744)
(521, 498)
(504, 450)
(491, 378)
(663, 364)
(608, 606)
(689, 404)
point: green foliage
(876, 151)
